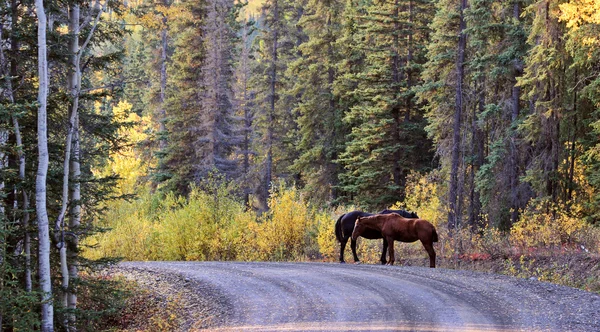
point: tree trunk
(74, 223)
(47, 323)
(162, 113)
(514, 151)
(74, 88)
(397, 167)
(453, 192)
(19, 141)
(477, 147)
(331, 165)
(245, 54)
(409, 59)
(570, 184)
(270, 126)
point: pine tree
(381, 147)
(447, 78)
(498, 44)
(275, 122)
(245, 104)
(216, 134)
(318, 112)
(177, 167)
(544, 83)
(582, 34)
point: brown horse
(395, 227)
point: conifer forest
(204, 129)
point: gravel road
(345, 297)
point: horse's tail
(435, 236)
(338, 228)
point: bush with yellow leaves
(548, 225)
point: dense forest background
(220, 129)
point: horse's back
(347, 225)
(402, 213)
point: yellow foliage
(126, 163)
(544, 224)
(579, 12)
(213, 225)
(130, 235)
(285, 231)
(422, 196)
(328, 245)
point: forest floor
(171, 302)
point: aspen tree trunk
(12, 72)
(73, 86)
(74, 223)
(47, 324)
(453, 213)
(72, 155)
(26, 216)
(3, 164)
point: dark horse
(395, 227)
(345, 225)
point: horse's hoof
(357, 262)
(342, 262)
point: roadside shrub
(492, 241)
(131, 231)
(202, 227)
(328, 245)
(548, 225)
(284, 232)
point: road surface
(346, 297)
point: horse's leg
(431, 252)
(391, 251)
(353, 247)
(384, 251)
(342, 248)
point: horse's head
(359, 227)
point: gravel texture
(228, 296)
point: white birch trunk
(73, 86)
(47, 324)
(74, 222)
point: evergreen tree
(544, 83)
(383, 142)
(216, 134)
(177, 168)
(275, 121)
(318, 112)
(582, 38)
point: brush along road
(345, 297)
